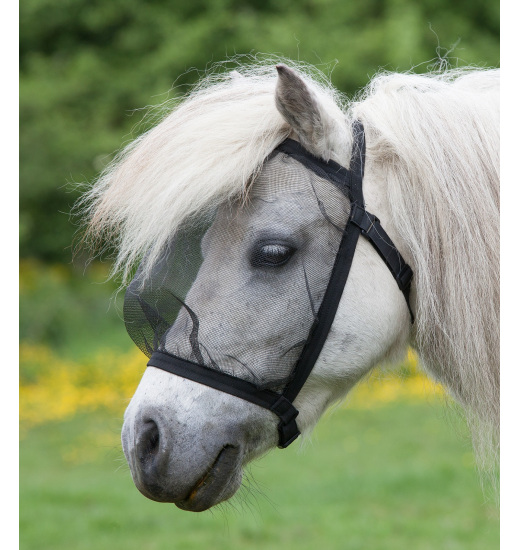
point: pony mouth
(219, 483)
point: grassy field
(392, 470)
(393, 477)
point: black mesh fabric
(243, 300)
(239, 291)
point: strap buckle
(363, 219)
(287, 428)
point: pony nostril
(148, 445)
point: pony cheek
(370, 327)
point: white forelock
(204, 152)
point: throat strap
(372, 230)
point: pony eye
(271, 255)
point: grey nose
(152, 458)
(147, 447)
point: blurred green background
(392, 474)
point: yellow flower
(58, 389)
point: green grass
(397, 477)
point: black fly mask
(243, 300)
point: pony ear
(300, 108)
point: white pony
(431, 177)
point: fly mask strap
(371, 229)
(360, 222)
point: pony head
(269, 240)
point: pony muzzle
(162, 471)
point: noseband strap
(360, 222)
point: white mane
(436, 138)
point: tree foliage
(87, 67)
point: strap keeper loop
(287, 433)
(404, 278)
(287, 428)
(284, 409)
